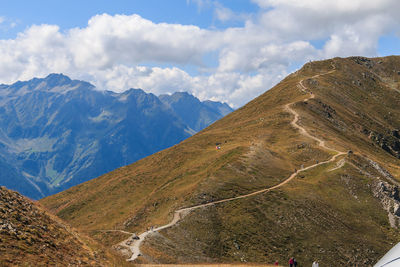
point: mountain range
(309, 169)
(56, 132)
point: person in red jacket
(291, 262)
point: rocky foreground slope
(29, 236)
(343, 213)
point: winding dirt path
(134, 244)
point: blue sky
(226, 50)
(72, 13)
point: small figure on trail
(315, 264)
(276, 263)
(291, 262)
(135, 237)
(294, 262)
(317, 161)
(295, 170)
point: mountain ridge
(343, 212)
(56, 132)
(194, 113)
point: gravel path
(134, 244)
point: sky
(223, 50)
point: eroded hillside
(29, 236)
(342, 212)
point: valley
(199, 133)
(56, 132)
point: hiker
(276, 263)
(291, 262)
(294, 262)
(315, 264)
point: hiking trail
(134, 244)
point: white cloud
(6, 24)
(201, 4)
(113, 51)
(337, 6)
(132, 39)
(35, 52)
(225, 14)
(231, 87)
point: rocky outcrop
(327, 112)
(363, 61)
(388, 195)
(384, 187)
(390, 142)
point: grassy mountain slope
(341, 213)
(30, 236)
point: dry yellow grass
(209, 265)
(317, 215)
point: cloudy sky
(225, 50)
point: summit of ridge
(333, 123)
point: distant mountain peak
(58, 76)
(54, 82)
(185, 105)
(133, 91)
(58, 132)
(183, 94)
(55, 79)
